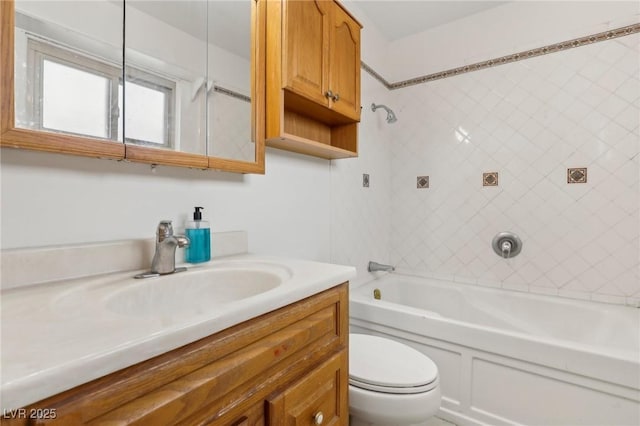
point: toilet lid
(388, 366)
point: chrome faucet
(164, 259)
(375, 266)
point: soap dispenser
(199, 234)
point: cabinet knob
(318, 418)
(329, 94)
(336, 97)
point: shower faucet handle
(506, 244)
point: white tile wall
(529, 121)
(230, 128)
(361, 217)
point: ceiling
(400, 18)
(229, 19)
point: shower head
(391, 116)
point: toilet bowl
(390, 383)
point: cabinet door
(306, 46)
(344, 78)
(319, 398)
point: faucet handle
(165, 229)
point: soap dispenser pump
(199, 234)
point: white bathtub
(509, 358)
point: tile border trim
(527, 54)
(375, 75)
(231, 93)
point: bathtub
(510, 358)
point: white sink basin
(191, 292)
(92, 326)
(199, 290)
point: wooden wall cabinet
(283, 368)
(312, 77)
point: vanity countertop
(58, 335)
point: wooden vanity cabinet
(283, 368)
(312, 77)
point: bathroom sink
(192, 292)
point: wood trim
(236, 166)
(7, 34)
(62, 144)
(258, 84)
(143, 154)
(337, 2)
(274, 95)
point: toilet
(390, 383)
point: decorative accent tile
(577, 175)
(490, 179)
(423, 182)
(527, 54)
(365, 180)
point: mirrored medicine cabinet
(162, 82)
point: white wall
(506, 29)
(50, 199)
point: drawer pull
(318, 418)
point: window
(77, 94)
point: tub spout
(375, 266)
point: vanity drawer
(216, 380)
(319, 398)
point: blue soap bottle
(199, 234)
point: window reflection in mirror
(165, 65)
(68, 66)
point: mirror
(165, 67)
(68, 67)
(187, 87)
(229, 102)
(183, 96)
